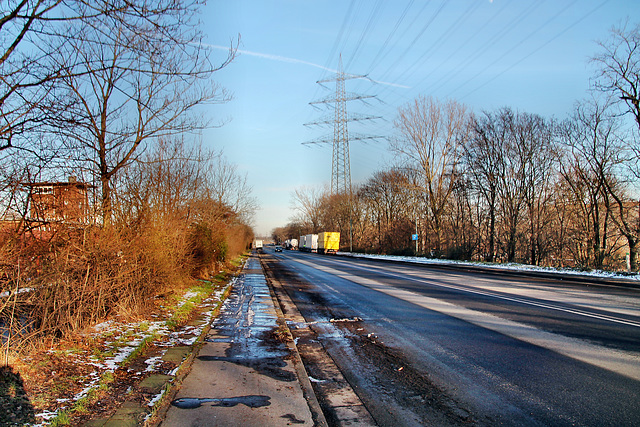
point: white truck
(257, 245)
(308, 243)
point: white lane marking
(415, 278)
(620, 362)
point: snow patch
(355, 319)
(152, 363)
(20, 291)
(155, 399)
(506, 266)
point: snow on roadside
(506, 266)
(6, 294)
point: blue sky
(530, 55)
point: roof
(57, 184)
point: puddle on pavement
(269, 366)
(247, 321)
(218, 339)
(252, 401)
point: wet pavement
(246, 373)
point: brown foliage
(55, 287)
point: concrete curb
(131, 413)
(303, 377)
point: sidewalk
(247, 372)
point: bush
(208, 248)
(80, 278)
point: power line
(370, 23)
(517, 45)
(469, 39)
(537, 49)
(415, 40)
(340, 35)
(409, 71)
(390, 36)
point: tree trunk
(492, 234)
(511, 244)
(107, 208)
(633, 253)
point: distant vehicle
(308, 243)
(257, 245)
(291, 244)
(278, 248)
(328, 242)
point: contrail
(292, 61)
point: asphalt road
(427, 346)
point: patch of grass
(182, 313)
(239, 260)
(81, 405)
(144, 326)
(220, 277)
(67, 351)
(107, 379)
(102, 354)
(62, 419)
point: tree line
(504, 185)
(110, 92)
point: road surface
(428, 346)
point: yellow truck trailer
(328, 242)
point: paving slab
(129, 414)
(176, 354)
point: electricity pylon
(341, 162)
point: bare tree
(593, 152)
(432, 134)
(388, 205)
(31, 31)
(160, 186)
(129, 82)
(619, 77)
(483, 159)
(307, 203)
(21, 68)
(465, 220)
(619, 70)
(538, 153)
(229, 187)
